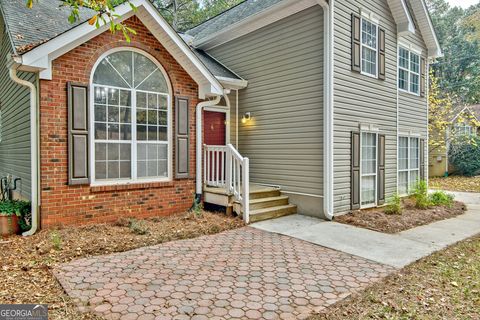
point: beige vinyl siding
(283, 63)
(413, 109)
(359, 99)
(15, 122)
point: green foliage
(138, 226)
(56, 240)
(394, 205)
(464, 155)
(14, 207)
(197, 208)
(185, 14)
(458, 32)
(441, 198)
(420, 194)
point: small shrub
(56, 240)
(197, 208)
(420, 194)
(138, 227)
(394, 205)
(440, 198)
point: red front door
(215, 128)
(214, 124)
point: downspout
(328, 168)
(199, 143)
(33, 145)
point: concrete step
(271, 213)
(264, 193)
(270, 202)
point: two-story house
(270, 108)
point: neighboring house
(465, 123)
(272, 107)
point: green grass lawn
(445, 285)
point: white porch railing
(224, 167)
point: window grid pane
(368, 168)
(408, 164)
(115, 81)
(369, 48)
(408, 71)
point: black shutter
(423, 80)
(356, 38)
(355, 171)
(182, 138)
(381, 169)
(78, 156)
(422, 159)
(381, 54)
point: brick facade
(65, 204)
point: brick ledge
(133, 186)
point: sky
(463, 3)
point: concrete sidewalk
(397, 250)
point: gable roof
(43, 33)
(239, 20)
(474, 110)
(46, 20)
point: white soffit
(402, 17)
(42, 56)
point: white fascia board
(426, 27)
(234, 84)
(254, 22)
(42, 56)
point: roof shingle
(233, 15)
(31, 27)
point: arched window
(131, 119)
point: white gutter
(199, 142)
(328, 204)
(33, 145)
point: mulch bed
(445, 285)
(26, 263)
(376, 219)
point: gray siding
(283, 63)
(362, 99)
(413, 115)
(15, 122)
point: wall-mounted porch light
(246, 117)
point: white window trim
(373, 205)
(371, 48)
(133, 142)
(409, 71)
(409, 169)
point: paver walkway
(239, 274)
(397, 250)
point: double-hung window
(131, 119)
(408, 71)
(369, 48)
(408, 164)
(368, 169)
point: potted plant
(11, 212)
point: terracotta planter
(9, 225)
